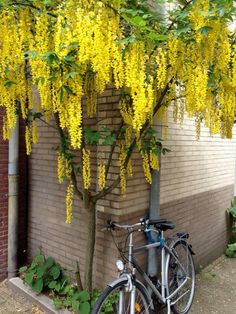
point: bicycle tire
(175, 276)
(99, 307)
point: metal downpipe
(13, 178)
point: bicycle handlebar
(161, 224)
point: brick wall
(3, 203)
(196, 187)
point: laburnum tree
(68, 51)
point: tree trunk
(90, 245)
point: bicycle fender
(175, 240)
(126, 277)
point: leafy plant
(44, 274)
(40, 273)
(231, 247)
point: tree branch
(113, 148)
(106, 191)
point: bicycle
(174, 290)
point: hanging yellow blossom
(161, 61)
(122, 158)
(86, 168)
(146, 167)
(101, 176)
(154, 161)
(69, 202)
(28, 140)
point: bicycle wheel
(116, 300)
(177, 273)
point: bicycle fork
(132, 290)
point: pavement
(12, 303)
(216, 288)
(215, 292)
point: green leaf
(76, 306)
(72, 64)
(49, 262)
(55, 271)
(40, 271)
(23, 269)
(9, 83)
(129, 40)
(57, 303)
(37, 285)
(67, 302)
(183, 30)
(84, 296)
(52, 284)
(232, 211)
(84, 308)
(29, 276)
(71, 75)
(32, 54)
(108, 140)
(158, 37)
(68, 90)
(51, 57)
(39, 259)
(204, 30)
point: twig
(106, 191)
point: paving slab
(216, 288)
(13, 303)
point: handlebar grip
(110, 224)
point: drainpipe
(13, 157)
(154, 206)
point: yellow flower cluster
(28, 140)
(146, 167)
(161, 61)
(86, 168)
(69, 202)
(64, 168)
(154, 161)
(102, 176)
(122, 157)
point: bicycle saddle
(161, 224)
